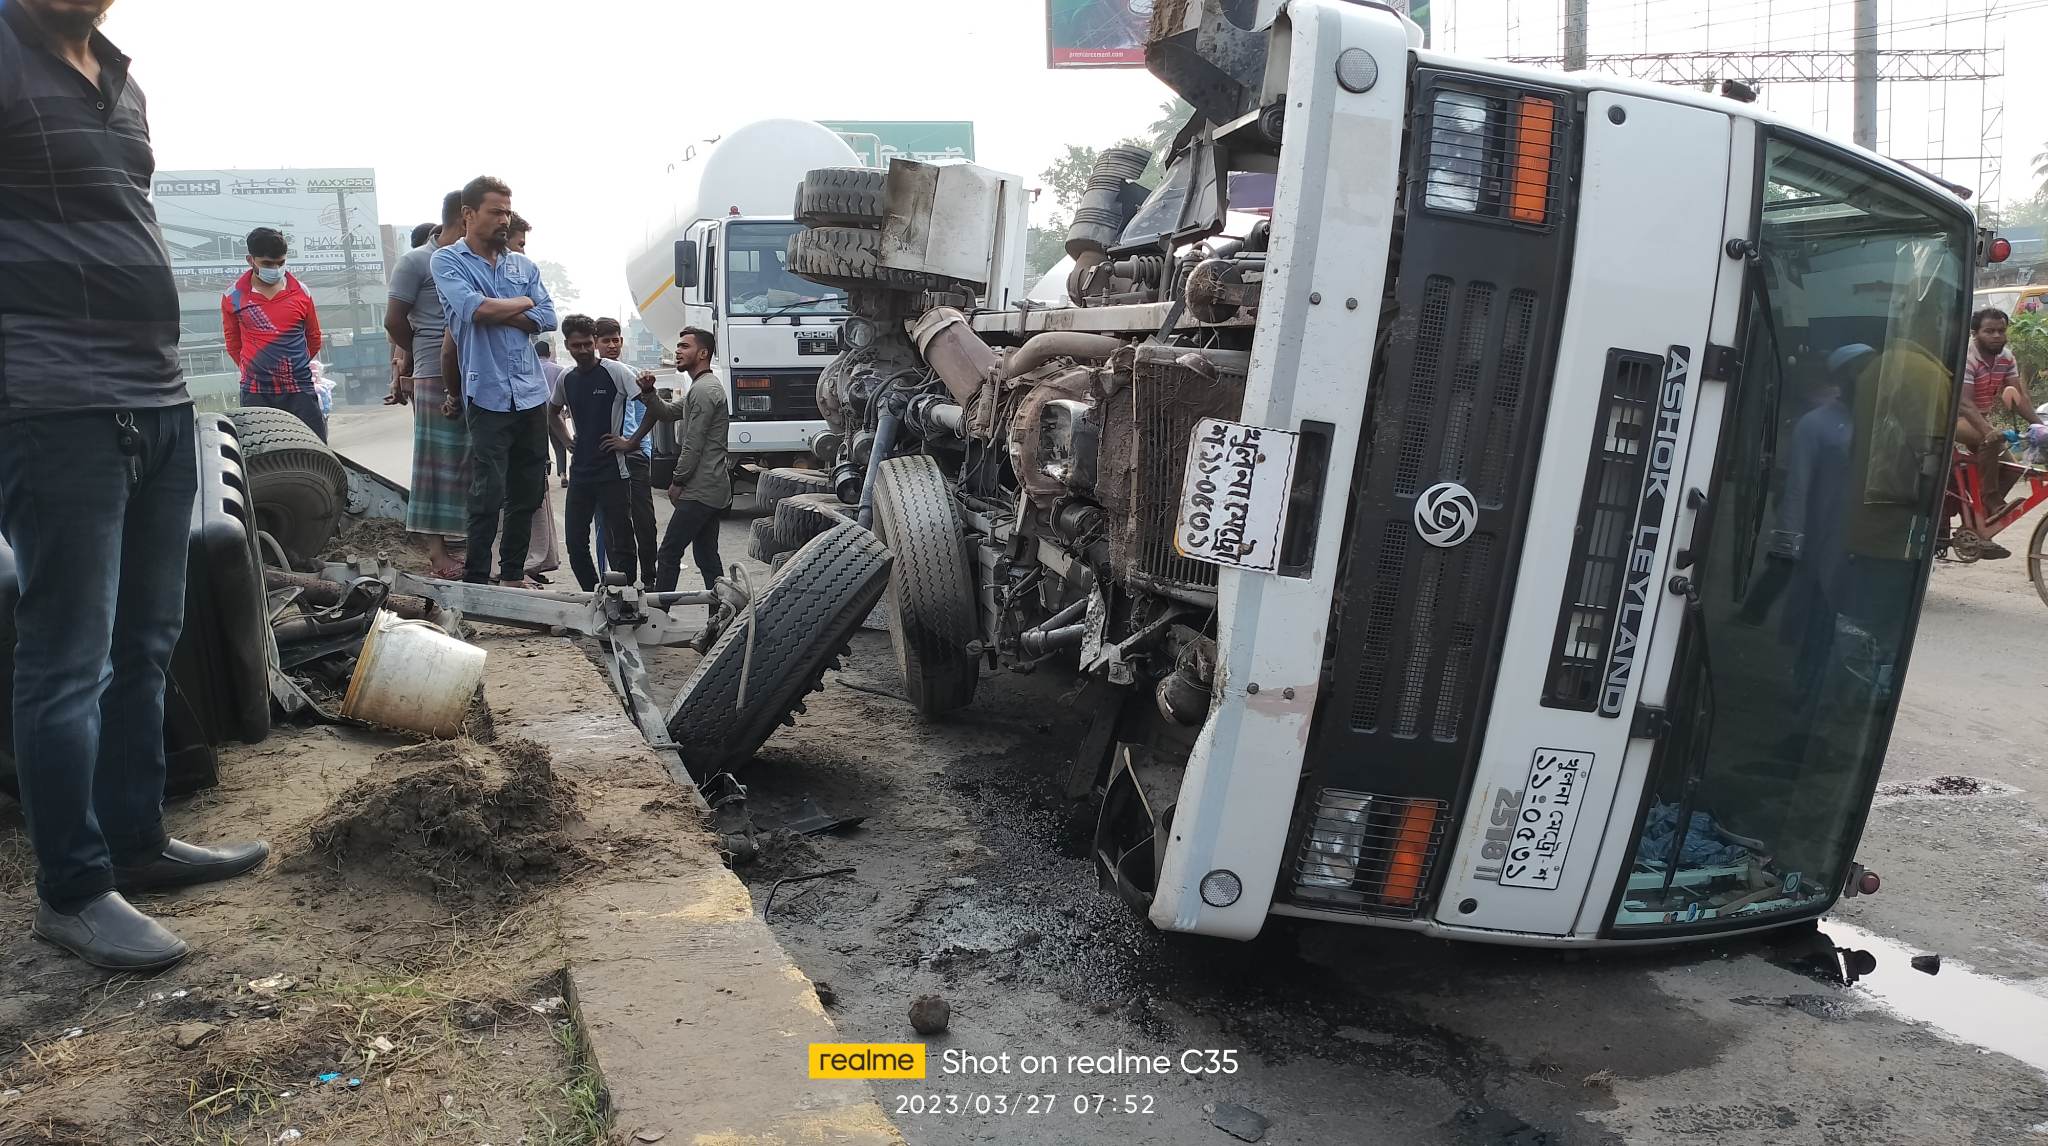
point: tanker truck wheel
(298, 488)
(841, 197)
(850, 257)
(802, 622)
(931, 609)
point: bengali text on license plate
(1550, 810)
(1233, 499)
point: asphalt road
(971, 881)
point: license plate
(1550, 810)
(819, 344)
(1233, 501)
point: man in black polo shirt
(98, 472)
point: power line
(1786, 67)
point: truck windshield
(758, 283)
(1816, 537)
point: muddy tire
(297, 486)
(850, 257)
(804, 516)
(841, 197)
(931, 609)
(774, 485)
(761, 540)
(802, 622)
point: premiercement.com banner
(1096, 33)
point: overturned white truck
(1519, 538)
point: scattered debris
(547, 1006)
(291, 1135)
(329, 1076)
(1240, 1122)
(769, 905)
(382, 1045)
(1599, 1080)
(74, 1032)
(9, 1095)
(1929, 964)
(272, 984)
(649, 1135)
(1939, 787)
(810, 819)
(826, 995)
(1819, 1006)
(188, 1035)
(930, 1015)
(477, 1017)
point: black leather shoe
(110, 934)
(181, 864)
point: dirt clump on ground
(372, 538)
(467, 821)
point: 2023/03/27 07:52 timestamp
(1022, 1103)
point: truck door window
(1816, 541)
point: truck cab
(774, 332)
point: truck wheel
(298, 487)
(802, 622)
(841, 197)
(800, 517)
(761, 540)
(774, 485)
(850, 257)
(932, 614)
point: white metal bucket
(413, 675)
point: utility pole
(348, 263)
(1575, 34)
(1865, 100)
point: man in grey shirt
(702, 486)
(438, 507)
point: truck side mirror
(686, 263)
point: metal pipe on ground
(320, 591)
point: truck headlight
(1457, 171)
(756, 403)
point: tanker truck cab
(774, 331)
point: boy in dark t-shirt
(595, 393)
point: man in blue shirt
(494, 303)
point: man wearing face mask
(97, 480)
(273, 333)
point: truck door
(1630, 429)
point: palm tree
(2041, 164)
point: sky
(580, 107)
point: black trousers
(641, 496)
(585, 500)
(693, 526)
(508, 454)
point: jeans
(641, 498)
(306, 405)
(100, 537)
(508, 453)
(585, 499)
(693, 526)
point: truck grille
(1145, 451)
(1614, 483)
(1368, 853)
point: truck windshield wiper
(785, 308)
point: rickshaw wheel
(2037, 558)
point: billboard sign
(1096, 33)
(206, 217)
(927, 141)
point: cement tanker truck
(727, 209)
